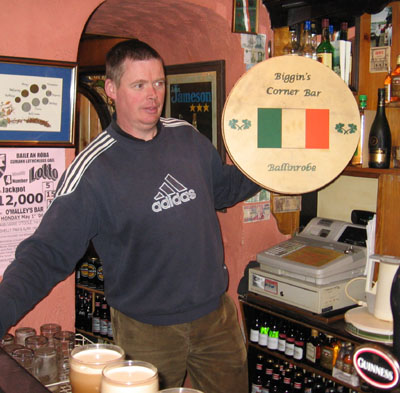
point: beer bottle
(282, 337)
(88, 313)
(273, 335)
(104, 319)
(91, 272)
(255, 330)
(257, 382)
(287, 382)
(264, 331)
(100, 275)
(96, 316)
(289, 347)
(299, 350)
(84, 272)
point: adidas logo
(171, 193)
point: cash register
(312, 270)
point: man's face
(139, 98)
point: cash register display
(354, 235)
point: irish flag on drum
(293, 128)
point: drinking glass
(64, 343)
(45, 366)
(24, 356)
(35, 342)
(7, 339)
(22, 333)
(48, 330)
(86, 363)
(129, 376)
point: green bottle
(325, 48)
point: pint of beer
(87, 363)
(130, 376)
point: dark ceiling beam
(289, 12)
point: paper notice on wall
(28, 179)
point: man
(145, 193)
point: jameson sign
(28, 179)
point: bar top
(15, 379)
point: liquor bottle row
(89, 272)
(95, 320)
(305, 43)
(272, 375)
(302, 344)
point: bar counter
(15, 379)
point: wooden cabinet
(253, 304)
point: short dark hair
(133, 49)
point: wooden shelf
(369, 172)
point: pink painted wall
(182, 31)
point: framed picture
(195, 92)
(245, 16)
(37, 102)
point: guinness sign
(377, 366)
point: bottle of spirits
(282, 337)
(273, 335)
(380, 139)
(96, 316)
(299, 346)
(255, 330)
(313, 348)
(358, 156)
(387, 84)
(290, 337)
(264, 332)
(395, 81)
(292, 48)
(307, 50)
(325, 48)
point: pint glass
(130, 376)
(87, 363)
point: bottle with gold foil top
(380, 139)
(358, 156)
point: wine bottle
(325, 48)
(380, 139)
(358, 155)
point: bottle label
(96, 325)
(273, 343)
(377, 155)
(325, 58)
(298, 353)
(289, 350)
(263, 339)
(254, 335)
(395, 86)
(311, 353)
(281, 344)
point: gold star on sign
(199, 108)
(206, 108)
(192, 108)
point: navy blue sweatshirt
(149, 208)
